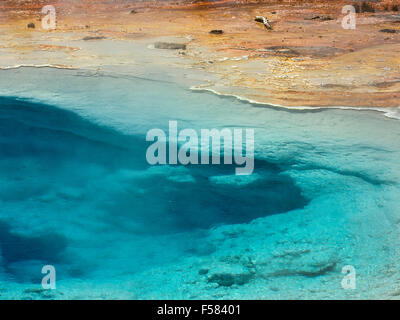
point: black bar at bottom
(188, 309)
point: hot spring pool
(76, 192)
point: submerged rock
(170, 46)
(31, 25)
(227, 275)
(203, 271)
(298, 261)
(93, 38)
(308, 270)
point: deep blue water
(57, 149)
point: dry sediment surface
(307, 59)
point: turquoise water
(76, 192)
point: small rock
(229, 275)
(320, 18)
(308, 270)
(325, 18)
(93, 38)
(388, 30)
(34, 290)
(367, 7)
(264, 21)
(31, 25)
(216, 31)
(170, 46)
(133, 11)
(203, 271)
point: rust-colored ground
(308, 59)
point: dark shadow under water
(57, 148)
